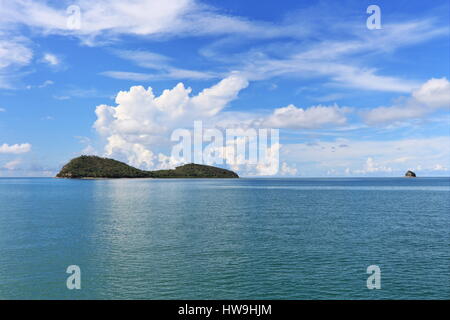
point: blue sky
(348, 100)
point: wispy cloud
(161, 65)
(12, 165)
(137, 17)
(126, 75)
(343, 63)
(78, 92)
(44, 84)
(14, 54)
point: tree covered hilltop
(97, 167)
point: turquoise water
(225, 239)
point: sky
(117, 78)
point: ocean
(225, 239)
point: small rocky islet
(410, 174)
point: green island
(93, 167)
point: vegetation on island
(97, 167)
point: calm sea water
(225, 239)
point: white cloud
(11, 165)
(339, 72)
(61, 97)
(269, 165)
(435, 93)
(85, 93)
(430, 96)
(144, 59)
(343, 63)
(88, 147)
(371, 167)
(2, 110)
(168, 162)
(440, 167)
(139, 126)
(142, 121)
(125, 75)
(106, 20)
(158, 62)
(168, 74)
(14, 53)
(109, 18)
(51, 59)
(287, 170)
(384, 115)
(387, 39)
(367, 79)
(46, 83)
(310, 118)
(15, 148)
(88, 150)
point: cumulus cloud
(141, 121)
(287, 170)
(435, 93)
(310, 118)
(429, 97)
(15, 148)
(267, 165)
(372, 167)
